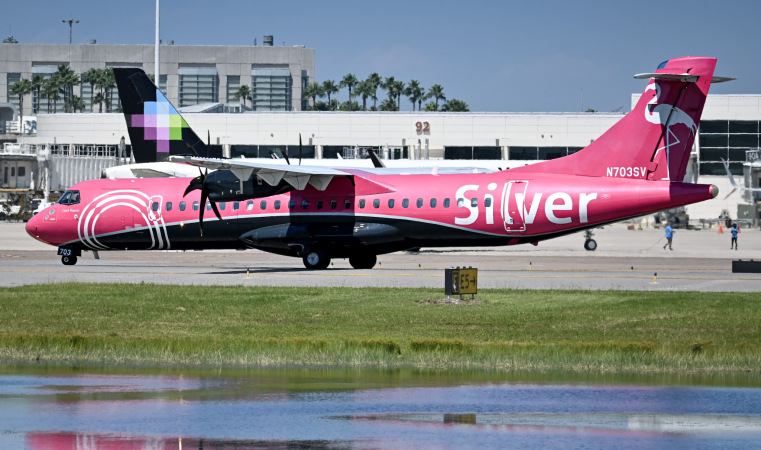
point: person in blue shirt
(734, 232)
(669, 236)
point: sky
(497, 56)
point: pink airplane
(319, 213)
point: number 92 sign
(422, 127)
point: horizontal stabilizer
(683, 77)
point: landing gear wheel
(68, 260)
(363, 261)
(316, 258)
(590, 244)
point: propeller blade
(285, 155)
(730, 193)
(204, 196)
(216, 211)
(194, 183)
(300, 149)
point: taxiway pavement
(625, 259)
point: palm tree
(395, 89)
(349, 82)
(243, 92)
(67, 79)
(415, 93)
(329, 87)
(91, 77)
(50, 89)
(98, 99)
(105, 82)
(37, 80)
(375, 80)
(399, 90)
(313, 91)
(431, 107)
(388, 85)
(364, 90)
(75, 103)
(21, 88)
(454, 105)
(436, 92)
(388, 105)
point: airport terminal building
(196, 78)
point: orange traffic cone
(721, 230)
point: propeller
(201, 183)
(300, 149)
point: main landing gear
(363, 261)
(589, 243)
(318, 258)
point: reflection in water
(45, 407)
(663, 423)
(52, 441)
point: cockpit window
(69, 198)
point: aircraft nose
(35, 227)
(32, 226)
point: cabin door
(513, 209)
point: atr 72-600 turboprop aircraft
(319, 213)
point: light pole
(71, 23)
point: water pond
(120, 408)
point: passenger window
(236, 205)
(208, 206)
(362, 203)
(433, 203)
(347, 204)
(474, 202)
(291, 204)
(195, 206)
(182, 206)
(155, 206)
(406, 203)
(249, 205)
(277, 204)
(263, 205)
(446, 203)
(487, 202)
(391, 203)
(222, 206)
(420, 203)
(460, 202)
(305, 204)
(376, 203)
(319, 204)
(333, 204)
(168, 206)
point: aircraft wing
(272, 174)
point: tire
(68, 260)
(316, 259)
(590, 245)
(363, 261)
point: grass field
(159, 325)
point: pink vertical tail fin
(653, 141)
